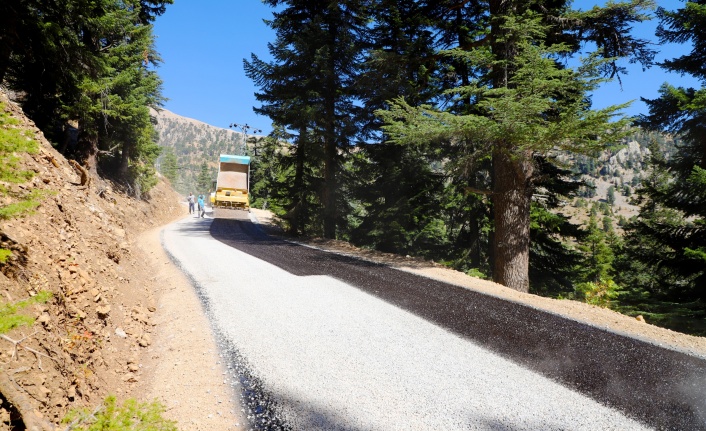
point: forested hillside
(612, 178)
(85, 74)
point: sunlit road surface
(334, 343)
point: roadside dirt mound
(87, 339)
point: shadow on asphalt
(194, 226)
(660, 387)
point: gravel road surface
(319, 341)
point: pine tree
(524, 104)
(204, 180)
(271, 173)
(287, 90)
(86, 65)
(553, 259)
(121, 91)
(399, 59)
(397, 194)
(169, 166)
(594, 280)
(598, 255)
(401, 199)
(681, 202)
(610, 195)
(651, 283)
(309, 88)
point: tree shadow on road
(643, 380)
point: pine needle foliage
(681, 193)
(9, 313)
(528, 112)
(169, 166)
(204, 181)
(602, 293)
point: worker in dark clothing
(190, 199)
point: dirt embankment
(89, 339)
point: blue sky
(203, 44)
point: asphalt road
(317, 340)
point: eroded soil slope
(87, 340)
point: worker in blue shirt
(202, 208)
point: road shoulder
(182, 367)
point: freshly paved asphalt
(662, 388)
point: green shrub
(4, 254)
(477, 273)
(600, 293)
(130, 416)
(26, 205)
(13, 141)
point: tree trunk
(330, 138)
(512, 195)
(88, 151)
(124, 161)
(474, 240)
(512, 173)
(8, 35)
(329, 192)
(5, 54)
(31, 417)
(298, 207)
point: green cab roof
(243, 160)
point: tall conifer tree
(317, 55)
(84, 67)
(398, 193)
(525, 104)
(170, 166)
(682, 111)
(287, 93)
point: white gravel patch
(335, 358)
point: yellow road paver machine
(233, 183)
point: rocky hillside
(614, 176)
(85, 342)
(189, 136)
(194, 142)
